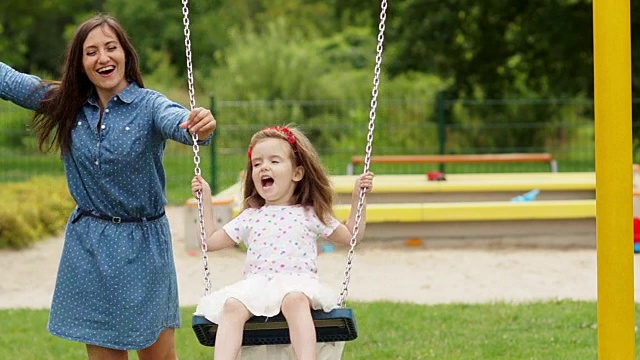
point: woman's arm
(176, 122)
(21, 89)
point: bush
(13, 127)
(33, 210)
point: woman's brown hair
(54, 119)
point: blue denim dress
(116, 285)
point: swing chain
(367, 159)
(196, 147)
(187, 45)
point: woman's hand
(200, 122)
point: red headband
(285, 130)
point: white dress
(281, 258)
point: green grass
(543, 330)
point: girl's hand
(200, 122)
(365, 181)
(199, 184)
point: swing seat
(337, 325)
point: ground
(380, 272)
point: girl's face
(273, 172)
(103, 60)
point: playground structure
(464, 210)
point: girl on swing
(287, 207)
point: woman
(116, 288)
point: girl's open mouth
(267, 182)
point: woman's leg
(296, 308)
(100, 353)
(163, 349)
(230, 329)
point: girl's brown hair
(54, 119)
(314, 189)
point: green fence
(563, 128)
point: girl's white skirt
(263, 295)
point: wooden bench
(455, 158)
(412, 188)
(540, 223)
(475, 211)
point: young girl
(287, 207)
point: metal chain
(342, 298)
(196, 147)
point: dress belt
(113, 219)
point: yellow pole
(614, 229)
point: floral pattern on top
(280, 239)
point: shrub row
(33, 210)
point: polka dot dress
(281, 258)
(116, 284)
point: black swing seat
(337, 325)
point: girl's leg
(229, 335)
(100, 353)
(163, 349)
(296, 308)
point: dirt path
(389, 272)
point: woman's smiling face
(103, 59)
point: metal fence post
(442, 120)
(214, 171)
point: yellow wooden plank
(475, 211)
(380, 213)
(472, 183)
(495, 210)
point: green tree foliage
(494, 48)
(33, 34)
(280, 50)
(273, 65)
(286, 70)
(15, 19)
(307, 16)
(157, 31)
(360, 12)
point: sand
(380, 271)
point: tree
(34, 34)
(495, 48)
(498, 49)
(157, 31)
